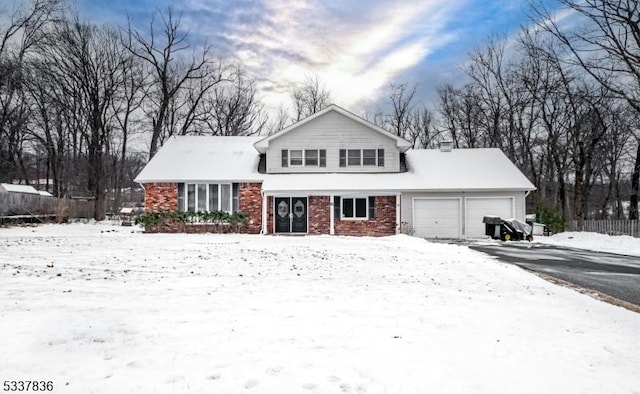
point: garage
(478, 207)
(436, 217)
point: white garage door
(477, 208)
(436, 218)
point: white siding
(407, 203)
(332, 132)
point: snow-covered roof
(45, 193)
(401, 143)
(429, 169)
(11, 188)
(203, 158)
(234, 159)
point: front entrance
(291, 214)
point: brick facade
(383, 224)
(250, 201)
(160, 197)
(319, 215)
(164, 197)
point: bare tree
(402, 103)
(607, 47)
(17, 38)
(310, 97)
(178, 81)
(233, 108)
(90, 63)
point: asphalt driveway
(612, 274)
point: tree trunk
(635, 182)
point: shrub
(167, 220)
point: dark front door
(283, 215)
(291, 214)
(299, 215)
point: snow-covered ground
(101, 309)
(620, 244)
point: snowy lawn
(620, 244)
(99, 309)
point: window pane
(180, 196)
(380, 157)
(323, 158)
(353, 157)
(225, 197)
(347, 207)
(202, 197)
(285, 158)
(234, 198)
(191, 197)
(296, 157)
(213, 197)
(361, 207)
(343, 157)
(311, 157)
(372, 208)
(369, 157)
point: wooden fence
(31, 205)
(611, 227)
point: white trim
(401, 143)
(466, 210)
(332, 219)
(354, 218)
(398, 212)
(413, 210)
(265, 215)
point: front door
(290, 214)
(299, 215)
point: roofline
(145, 181)
(401, 143)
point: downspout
(332, 218)
(263, 229)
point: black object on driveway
(507, 229)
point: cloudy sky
(356, 47)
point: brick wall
(269, 215)
(250, 201)
(383, 224)
(164, 197)
(160, 197)
(319, 215)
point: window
(208, 197)
(213, 197)
(310, 157)
(307, 157)
(191, 197)
(225, 197)
(368, 157)
(180, 196)
(361, 157)
(295, 157)
(353, 157)
(355, 208)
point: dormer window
(361, 157)
(306, 157)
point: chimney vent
(446, 146)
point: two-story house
(336, 173)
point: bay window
(208, 197)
